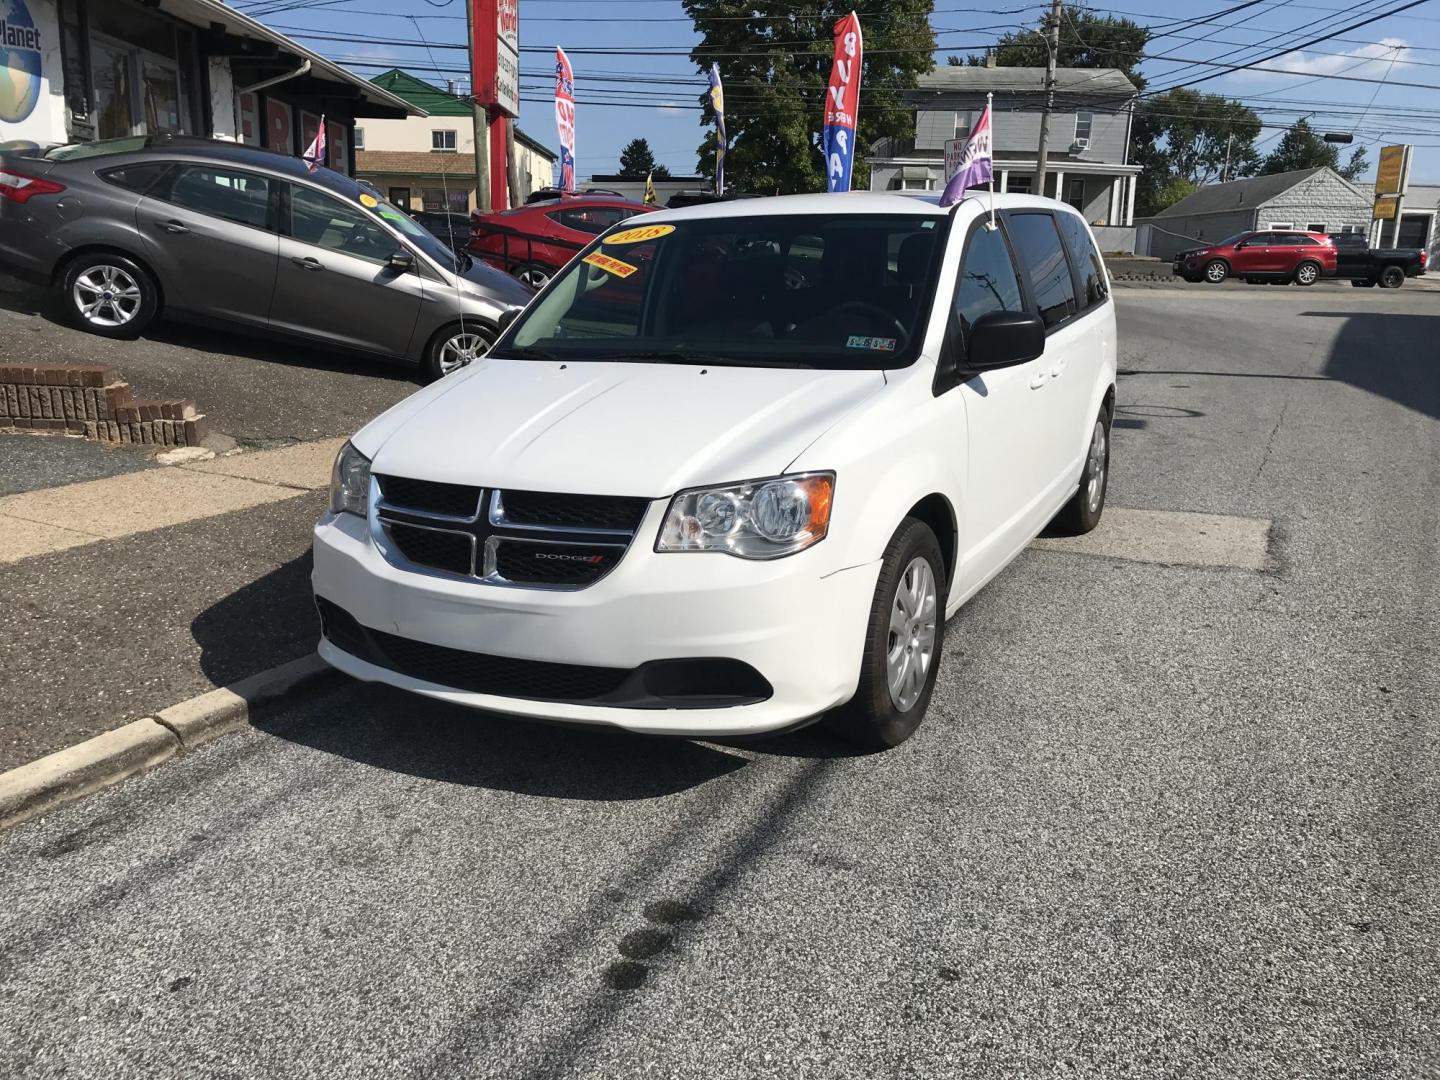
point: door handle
(1038, 380)
(1059, 367)
(306, 262)
(172, 226)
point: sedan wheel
(455, 348)
(106, 296)
(533, 277)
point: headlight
(350, 482)
(763, 519)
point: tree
(637, 161)
(775, 62)
(1302, 148)
(1087, 40)
(1190, 136)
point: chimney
(989, 58)
(450, 87)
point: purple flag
(976, 165)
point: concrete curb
(95, 764)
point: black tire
(533, 275)
(1392, 277)
(1216, 271)
(1307, 273)
(127, 296)
(438, 362)
(1082, 513)
(1364, 283)
(873, 719)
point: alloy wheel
(1215, 272)
(533, 277)
(1095, 465)
(1306, 275)
(106, 296)
(460, 348)
(910, 649)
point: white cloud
(1364, 61)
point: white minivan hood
(610, 428)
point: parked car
(532, 242)
(549, 194)
(1368, 267)
(128, 229)
(451, 229)
(733, 469)
(1274, 255)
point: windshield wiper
(525, 352)
(686, 356)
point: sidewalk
(124, 595)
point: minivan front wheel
(904, 639)
(109, 295)
(454, 347)
(1082, 512)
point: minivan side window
(1042, 257)
(988, 281)
(316, 218)
(1085, 259)
(243, 198)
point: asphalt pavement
(1162, 821)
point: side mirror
(401, 261)
(507, 317)
(1004, 339)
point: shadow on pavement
(1391, 354)
(267, 622)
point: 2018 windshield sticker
(609, 265)
(640, 235)
(366, 199)
(882, 344)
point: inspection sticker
(609, 265)
(366, 199)
(884, 344)
(640, 235)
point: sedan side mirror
(401, 261)
(1003, 339)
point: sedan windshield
(834, 291)
(413, 231)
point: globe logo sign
(19, 62)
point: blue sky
(655, 96)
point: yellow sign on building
(1385, 206)
(1390, 176)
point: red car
(1301, 257)
(532, 242)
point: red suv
(1301, 257)
(532, 242)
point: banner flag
(842, 104)
(717, 100)
(976, 165)
(315, 153)
(650, 197)
(565, 117)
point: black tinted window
(1087, 261)
(987, 280)
(590, 219)
(1037, 245)
(138, 178)
(223, 193)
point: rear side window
(139, 178)
(988, 281)
(1042, 260)
(1086, 260)
(590, 219)
(243, 198)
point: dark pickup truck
(1367, 267)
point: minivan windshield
(833, 291)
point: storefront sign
(21, 62)
(1385, 207)
(495, 50)
(279, 130)
(1390, 175)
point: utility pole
(1052, 47)
(480, 121)
(1225, 175)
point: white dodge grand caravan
(732, 469)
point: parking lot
(1173, 812)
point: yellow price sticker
(640, 235)
(366, 199)
(609, 265)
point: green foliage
(1186, 136)
(775, 85)
(1087, 40)
(637, 160)
(1302, 148)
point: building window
(359, 138)
(1312, 227)
(443, 140)
(1020, 183)
(1281, 225)
(1083, 121)
(400, 196)
(962, 125)
(1075, 192)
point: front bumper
(797, 623)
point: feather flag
(650, 198)
(565, 117)
(842, 104)
(717, 101)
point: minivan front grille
(530, 539)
